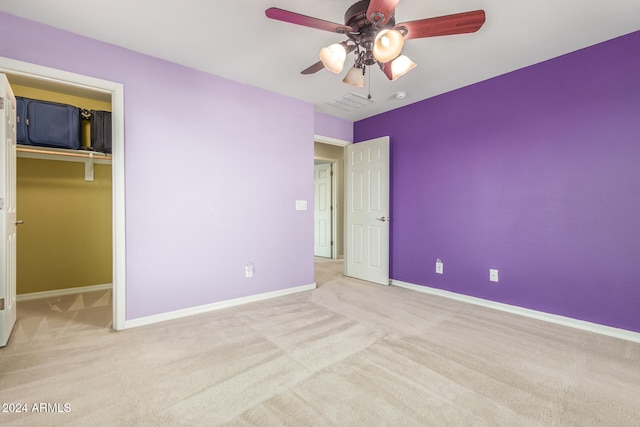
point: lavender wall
(535, 173)
(213, 170)
(334, 127)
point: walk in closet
(64, 198)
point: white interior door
(322, 213)
(7, 210)
(367, 211)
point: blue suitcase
(49, 124)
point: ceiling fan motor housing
(356, 18)
(364, 31)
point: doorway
(53, 79)
(330, 151)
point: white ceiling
(234, 39)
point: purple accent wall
(334, 127)
(535, 173)
(213, 170)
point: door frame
(84, 83)
(334, 193)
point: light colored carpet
(347, 354)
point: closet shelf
(47, 153)
(89, 158)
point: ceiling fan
(372, 33)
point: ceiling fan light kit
(374, 37)
(387, 45)
(355, 77)
(398, 67)
(333, 57)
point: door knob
(18, 222)
(383, 219)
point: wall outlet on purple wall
(493, 275)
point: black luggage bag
(100, 127)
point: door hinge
(1, 304)
(1, 103)
(1, 204)
(332, 243)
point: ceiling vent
(350, 102)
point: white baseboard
(540, 315)
(149, 320)
(61, 292)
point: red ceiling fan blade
(458, 23)
(306, 21)
(380, 11)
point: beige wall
(335, 153)
(65, 241)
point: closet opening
(71, 201)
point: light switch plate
(301, 205)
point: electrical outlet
(439, 267)
(493, 275)
(248, 270)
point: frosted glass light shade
(387, 45)
(398, 67)
(354, 77)
(333, 57)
